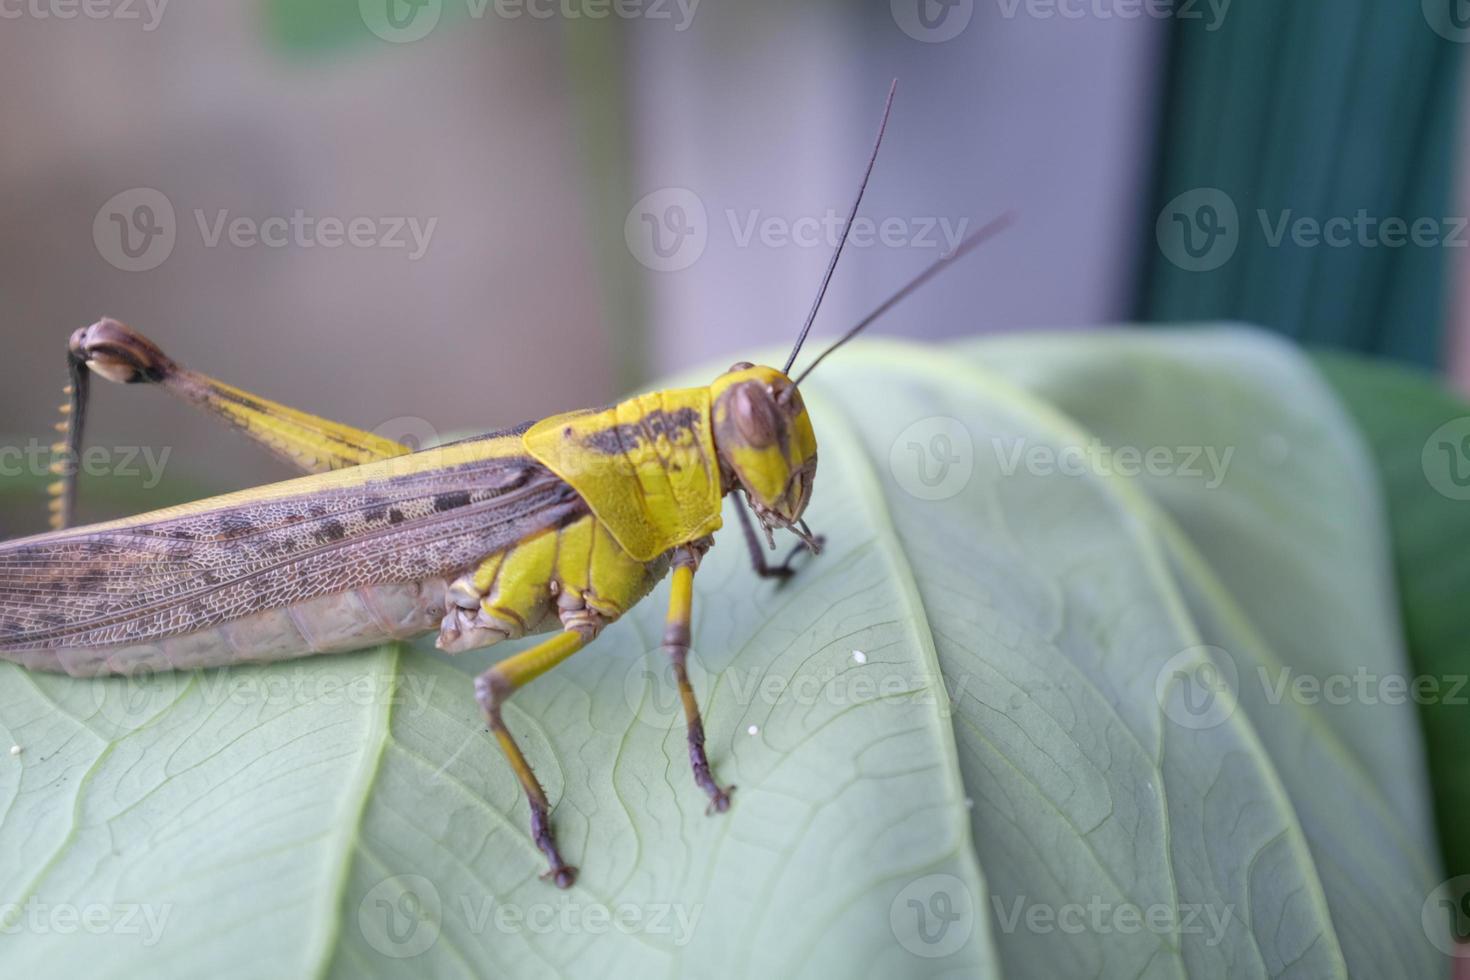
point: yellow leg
(492, 688)
(119, 353)
(676, 644)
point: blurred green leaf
(1416, 430)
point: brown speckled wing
(143, 580)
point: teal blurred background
(556, 200)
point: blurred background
(427, 216)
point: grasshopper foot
(559, 872)
(784, 571)
(719, 800)
(719, 797)
(563, 877)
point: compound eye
(740, 366)
(755, 415)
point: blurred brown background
(536, 145)
(516, 309)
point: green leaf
(982, 734)
(1416, 430)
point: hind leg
(117, 352)
(492, 688)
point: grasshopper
(557, 525)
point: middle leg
(677, 630)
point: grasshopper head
(765, 441)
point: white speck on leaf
(859, 657)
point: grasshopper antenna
(986, 233)
(846, 227)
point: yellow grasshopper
(561, 524)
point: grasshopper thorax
(765, 442)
